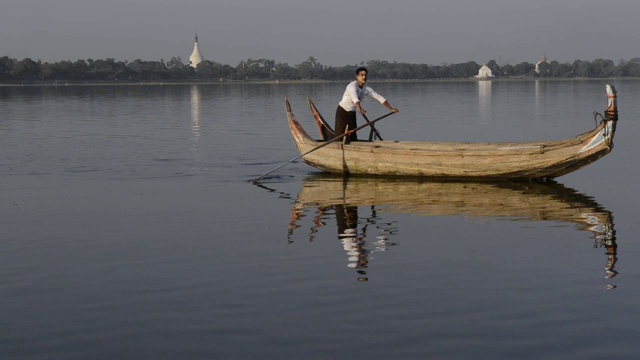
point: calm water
(130, 230)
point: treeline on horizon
(110, 70)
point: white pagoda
(196, 57)
(543, 60)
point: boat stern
(299, 135)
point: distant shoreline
(288, 82)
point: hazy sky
(335, 32)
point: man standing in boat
(353, 94)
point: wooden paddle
(373, 130)
(369, 123)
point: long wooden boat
(448, 160)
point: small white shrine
(484, 73)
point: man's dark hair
(362, 68)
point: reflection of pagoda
(195, 112)
(196, 56)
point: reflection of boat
(548, 159)
(517, 201)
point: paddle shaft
(373, 130)
(369, 123)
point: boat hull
(443, 160)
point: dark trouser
(346, 218)
(344, 118)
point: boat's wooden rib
(326, 131)
(476, 161)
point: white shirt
(353, 94)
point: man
(353, 94)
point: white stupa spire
(196, 56)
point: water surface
(131, 229)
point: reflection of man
(347, 220)
(612, 258)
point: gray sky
(335, 32)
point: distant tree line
(175, 70)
